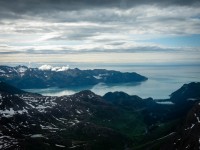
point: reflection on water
(161, 83)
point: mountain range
(46, 76)
(92, 122)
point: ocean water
(162, 81)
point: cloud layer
(84, 27)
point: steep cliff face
(187, 136)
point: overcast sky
(109, 31)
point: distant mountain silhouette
(24, 77)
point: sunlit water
(162, 81)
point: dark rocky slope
(88, 121)
(30, 121)
(187, 136)
(188, 92)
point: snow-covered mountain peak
(57, 69)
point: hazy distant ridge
(48, 76)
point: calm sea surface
(162, 81)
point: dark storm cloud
(22, 6)
(16, 8)
(113, 13)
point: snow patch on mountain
(62, 146)
(7, 142)
(45, 67)
(57, 69)
(9, 113)
(22, 69)
(97, 77)
(37, 136)
(165, 102)
(2, 71)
